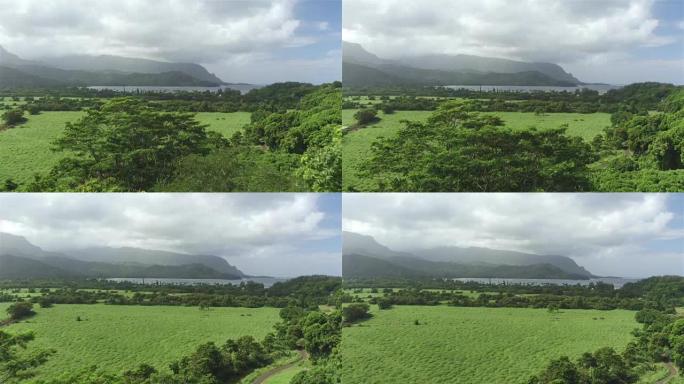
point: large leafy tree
(458, 150)
(125, 146)
(15, 364)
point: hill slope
(31, 260)
(106, 63)
(362, 68)
(102, 70)
(14, 78)
(377, 259)
(14, 267)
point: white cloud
(557, 31)
(212, 33)
(265, 233)
(609, 234)
(160, 29)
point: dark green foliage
(15, 364)
(241, 168)
(604, 366)
(384, 303)
(140, 374)
(654, 143)
(321, 333)
(33, 109)
(223, 364)
(366, 116)
(355, 312)
(324, 372)
(297, 150)
(278, 96)
(13, 117)
(462, 151)
(20, 310)
(10, 186)
(124, 146)
(646, 180)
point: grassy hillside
(355, 145)
(473, 345)
(116, 338)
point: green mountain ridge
(361, 68)
(23, 259)
(360, 266)
(454, 262)
(129, 65)
(14, 267)
(101, 71)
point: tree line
(457, 149)
(127, 145)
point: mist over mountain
(128, 65)
(362, 68)
(363, 256)
(21, 259)
(83, 70)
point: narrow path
(673, 373)
(267, 375)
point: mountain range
(21, 259)
(361, 68)
(364, 257)
(84, 70)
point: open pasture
(356, 144)
(26, 149)
(117, 338)
(473, 345)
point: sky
(279, 234)
(626, 235)
(250, 41)
(607, 41)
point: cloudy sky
(262, 234)
(253, 41)
(628, 235)
(610, 41)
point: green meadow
(473, 345)
(356, 144)
(116, 338)
(26, 149)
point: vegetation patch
(116, 338)
(466, 345)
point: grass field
(224, 123)
(25, 149)
(116, 338)
(356, 144)
(473, 345)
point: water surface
(617, 282)
(266, 281)
(243, 88)
(601, 88)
